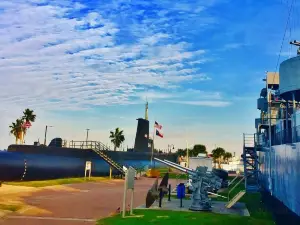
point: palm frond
(29, 116)
(117, 137)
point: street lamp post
(187, 155)
(46, 134)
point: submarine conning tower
(142, 141)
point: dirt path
(80, 204)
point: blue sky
(92, 64)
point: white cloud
(188, 96)
(203, 103)
(48, 55)
(54, 57)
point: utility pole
(87, 136)
(46, 134)
(187, 155)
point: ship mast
(146, 110)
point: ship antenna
(146, 109)
(296, 43)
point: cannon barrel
(216, 172)
(178, 167)
(175, 164)
(188, 169)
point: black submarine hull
(24, 162)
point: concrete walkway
(80, 204)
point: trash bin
(180, 190)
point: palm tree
(217, 155)
(16, 129)
(28, 116)
(117, 138)
(227, 156)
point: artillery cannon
(202, 183)
(153, 193)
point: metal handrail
(243, 178)
(231, 182)
(88, 145)
(99, 148)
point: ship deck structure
(272, 155)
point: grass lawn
(12, 208)
(173, 174)
(253, 201)
(174, 218)
(44, 183)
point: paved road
(87, 203)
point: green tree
(16, 129)
(28, 116)
(227, 156)
(217, 155)
(117, 138)
(181, 152)
(199, 149)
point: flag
(159, 134)
(158, 126)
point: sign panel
(130, 178)
(88, 165)
(128, 184)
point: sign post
(88, 167)
(128, 184)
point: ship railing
(249, 140)
(283, 137)
(262, 140)
(88, 145)
(100, 149)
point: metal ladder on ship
(250, 159)
(100, 149)
(114, 164)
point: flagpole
(152, 145)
